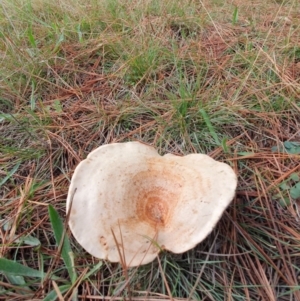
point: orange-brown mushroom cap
(129, 200)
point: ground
(214, 77)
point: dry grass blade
(58, 293)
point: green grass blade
(59, 41)
(224, 145)
(93, 270)
(15, 168)
(28, 240)
(18, 281)
(31, 37)
(209, 126)
(235, 15)
(52, 296)
(14, 268)
(66, 251)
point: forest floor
(214, 77)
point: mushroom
(127, 202)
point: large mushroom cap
(131, 200)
